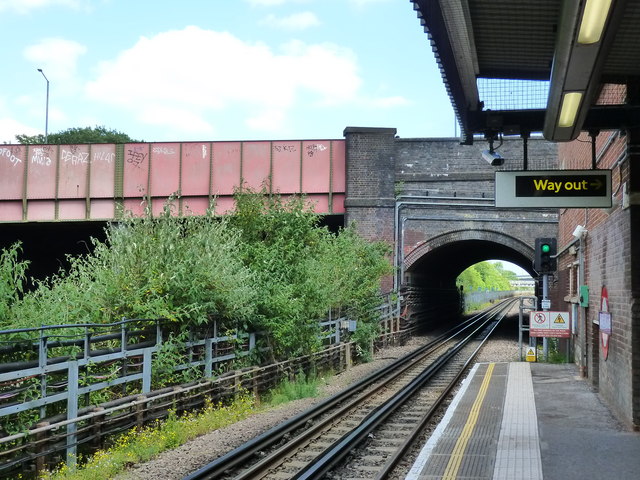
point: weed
(302, 386)
(142, 444)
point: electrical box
(584, 295)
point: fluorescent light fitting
(569, 109)
(594, 19)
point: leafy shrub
(268, 267)
(181, 269)
(12, 278)
(485, 276)
(303, 270)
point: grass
(301, 387)
(142, 444)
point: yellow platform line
(455, 460)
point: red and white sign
(604, 318)
(549, 324)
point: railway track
(373, 423)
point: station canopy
(518, 67)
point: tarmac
(528, 421)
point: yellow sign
(531, 354)
(553, 188)
(559, 319)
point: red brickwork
(605, 255)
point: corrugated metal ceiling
(514, 39)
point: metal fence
(63, 371)
(472, 299)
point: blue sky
(219, 69)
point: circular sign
(540, 318)
(605, 322)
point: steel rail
(340, 449)
(241, 454)
(265, 440)
(410, 439)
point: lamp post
(46, 120)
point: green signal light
(545, 248)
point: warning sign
(531, 354)
(549, 324)
(559, 319)
(540, 318)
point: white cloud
(182, 120)
(205, 72)
(326, 69)
(56, 56)
(25, 6)
(296, 21)
(269, 121)
(9, 128)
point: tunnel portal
(430, 271)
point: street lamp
(46, 121)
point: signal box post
(545, 262)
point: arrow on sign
(597, 184)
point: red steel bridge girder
(100, 181)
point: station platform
(528, 421)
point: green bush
(485, 276)
(267, 267)
(12, 279)
(303, 270)
(182, 269)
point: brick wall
(458, 184)
(443, 167)
(605, 254)
(370, 178)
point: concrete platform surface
(528, 421)
(579, 437)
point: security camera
(494, 158)
(579, 232)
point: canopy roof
(508, 65)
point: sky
(210, 70)
(511, 266)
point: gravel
(175, 464)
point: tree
(75, 136)
(508, 274)
(485, 275)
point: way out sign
(549, 324)
(554, 188)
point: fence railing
(46, 445)
(483, 297)
(64, 370)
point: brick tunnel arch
(429, 271)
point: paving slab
(579, 437)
